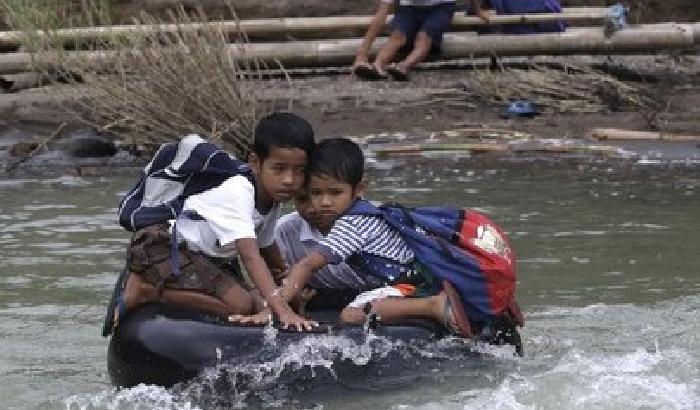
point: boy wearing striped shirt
(369, 245)
(298, 233)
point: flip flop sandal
(368, 72)
(454, 316)
(516, 313)
(117, 303)
(397, 73)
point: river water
(609, 278)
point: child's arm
(479, 10)
(299, 274)
(261, 277)
(274, 260)
(375, 27)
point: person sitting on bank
(420, 23)
(235, 220)
(502, 7)
(335, 184)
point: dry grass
(577, 90)
(150, 87)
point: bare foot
(398, 72)
(454, 316)
(135, 291)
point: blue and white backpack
(176, 171)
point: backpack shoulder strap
(176, 172)
(364, 207)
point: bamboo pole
(300, 25)
(619, 134)
(455, 45)
(573, 41)
(412, 150)
(21, 81)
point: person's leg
(137, 291)
(404, 26)
(421, 48)
(446, 307)
(232, 298)
(397, 309)
(236, 301)
(387, 53)
(434, 21)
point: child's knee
(397, 38)
(352, 315)
(423, 38)
(238, 301)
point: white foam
(141, 397)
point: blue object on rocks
(615, 19)
(520, 109)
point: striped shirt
(352, 234)
(295, 239)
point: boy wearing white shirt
(234, 220)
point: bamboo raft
(314, 26)
(315, 53)
(329, 52)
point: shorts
(150, 256)
(396, 291)
(432, 20)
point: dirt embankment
(339, 105)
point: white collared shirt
(296, 238)
(229, 214)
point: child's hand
(260, 318)
(278, 274)
(289, 319)
(299, 301)
(484, 15)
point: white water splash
(141, 397)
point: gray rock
(88, 146)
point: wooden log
(412, 150)
(574, 41)
(456, 45)
(421, 149)
(22, 81)
(619, 134)
(302, 25)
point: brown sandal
(397, 73)
(368, 72)
(455, 318)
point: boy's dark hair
(338, 158)
(282, 130)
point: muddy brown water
(609, 278)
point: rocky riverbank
(37, 134)
(435, 100)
